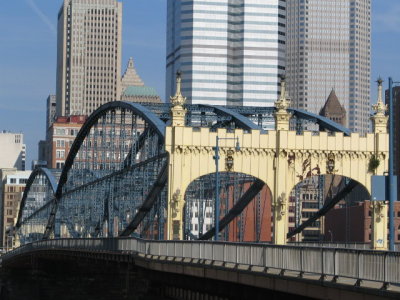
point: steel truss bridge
(114, 182)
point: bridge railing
(380, 266)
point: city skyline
(27, 78)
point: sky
(28, 55)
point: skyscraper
(231, 52)
(329, 47)
(88, 55)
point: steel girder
(155, 116)
(150, 120)
(36, 172)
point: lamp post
(216, 158)
(391, 177)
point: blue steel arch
(240, 120)
(325, 123)
(145, 113)
(240, 114)
(37, 171)
(154, 122)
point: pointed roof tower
(130, 77)
(333, 110)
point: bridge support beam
(176, 200)
(282, 180)
(379, 208)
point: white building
(12, 150)
(201, 216)
(329, 47)
(88, 55)
(230, 52)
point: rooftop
(140, 91)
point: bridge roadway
(310, 272)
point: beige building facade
(88, 55)
(13, 150)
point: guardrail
(380, 266)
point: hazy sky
(28, 55)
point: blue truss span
(114, 179)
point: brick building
(61, 136)
(13, 186)
(353, 223)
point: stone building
(88, 55)
(12, 150)
(134, 89)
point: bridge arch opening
(245, 208)
(329, 208)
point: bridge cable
(149, 201)
(339, 196)
(237, 209)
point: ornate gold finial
(283, 102)
(380, 108)
(178, 99)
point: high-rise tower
(231, 52)
(329, 47)
(88, 55)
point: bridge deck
(369, 268)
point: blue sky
(28, 55)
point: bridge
(155, 171)
(316, 273)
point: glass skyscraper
(329, 48)
(231, 52)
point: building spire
(379, 108)
(178, 99)
(130, 63)
(283, 102)
(379, 119)
(282, 116)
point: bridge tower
(379, 209)
(282, 180)
(176, 200)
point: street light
(229, 163)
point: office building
(62, 134)
(329, 47)
(353, 223)
(13, 150)
(13, 186)
(88, 55)
(230, 52)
